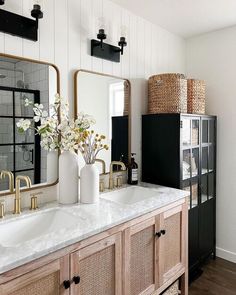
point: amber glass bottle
(133, 171)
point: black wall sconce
(17, 25)
(106, 51)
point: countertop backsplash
(49, 194)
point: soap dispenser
(133, 171)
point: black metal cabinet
(179, 150)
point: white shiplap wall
(64, 39)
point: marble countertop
(90, 219)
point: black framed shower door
(22, 152)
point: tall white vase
(68, 178)
(52, 167)
(89, 184)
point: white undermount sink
(130, 195)
(29, 227)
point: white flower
(38, 106)
(44, 114)
(36, 119)
(23, 124)
(27, 102)
(37, 111)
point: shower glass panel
(20, 109)
(6, 102)
(19, 153)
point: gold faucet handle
(34, 200)
(119, 181)
(101, 186)
(2, 210)
(111, 183)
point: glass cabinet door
(204, 131)
(195, 132)
(192, 187)
(186, 132)
(186, 164)
(207, 159)
(191, 158)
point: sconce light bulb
(123, 31)
(2, 2)
(36, 11)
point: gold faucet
(103, 165)
(17, 201)
(10, 175)
(118, 163)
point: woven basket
(173, 289)
(167, 93)
(196, 96)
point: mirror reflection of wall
(20, 80)
(107, 99)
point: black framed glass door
(19, 153)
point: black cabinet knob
(76, 279)
(163, 231)
(158, 234)
(66, 284)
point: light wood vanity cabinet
(154, 252)
(141, 257)
(99, 267)
(46, 280)
(172, 247)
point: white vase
(68, 178)
(89, 184)
(52, 167)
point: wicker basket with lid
(167, 93)
(196, 96)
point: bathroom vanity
(113, 247)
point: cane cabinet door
(97, 269)
(172, 243)
(47, 280)
(139, 259)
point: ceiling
(186, 18)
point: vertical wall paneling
(86, 32)
(125, 21)
(140, 47)
(64, 39)
(96, 15)
(133, 47)
(61, 42)
(74, 40)
(74, 22)
(116, 17)
(47, 24)
(107, 15)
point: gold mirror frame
(76, 98)
(6, 193)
